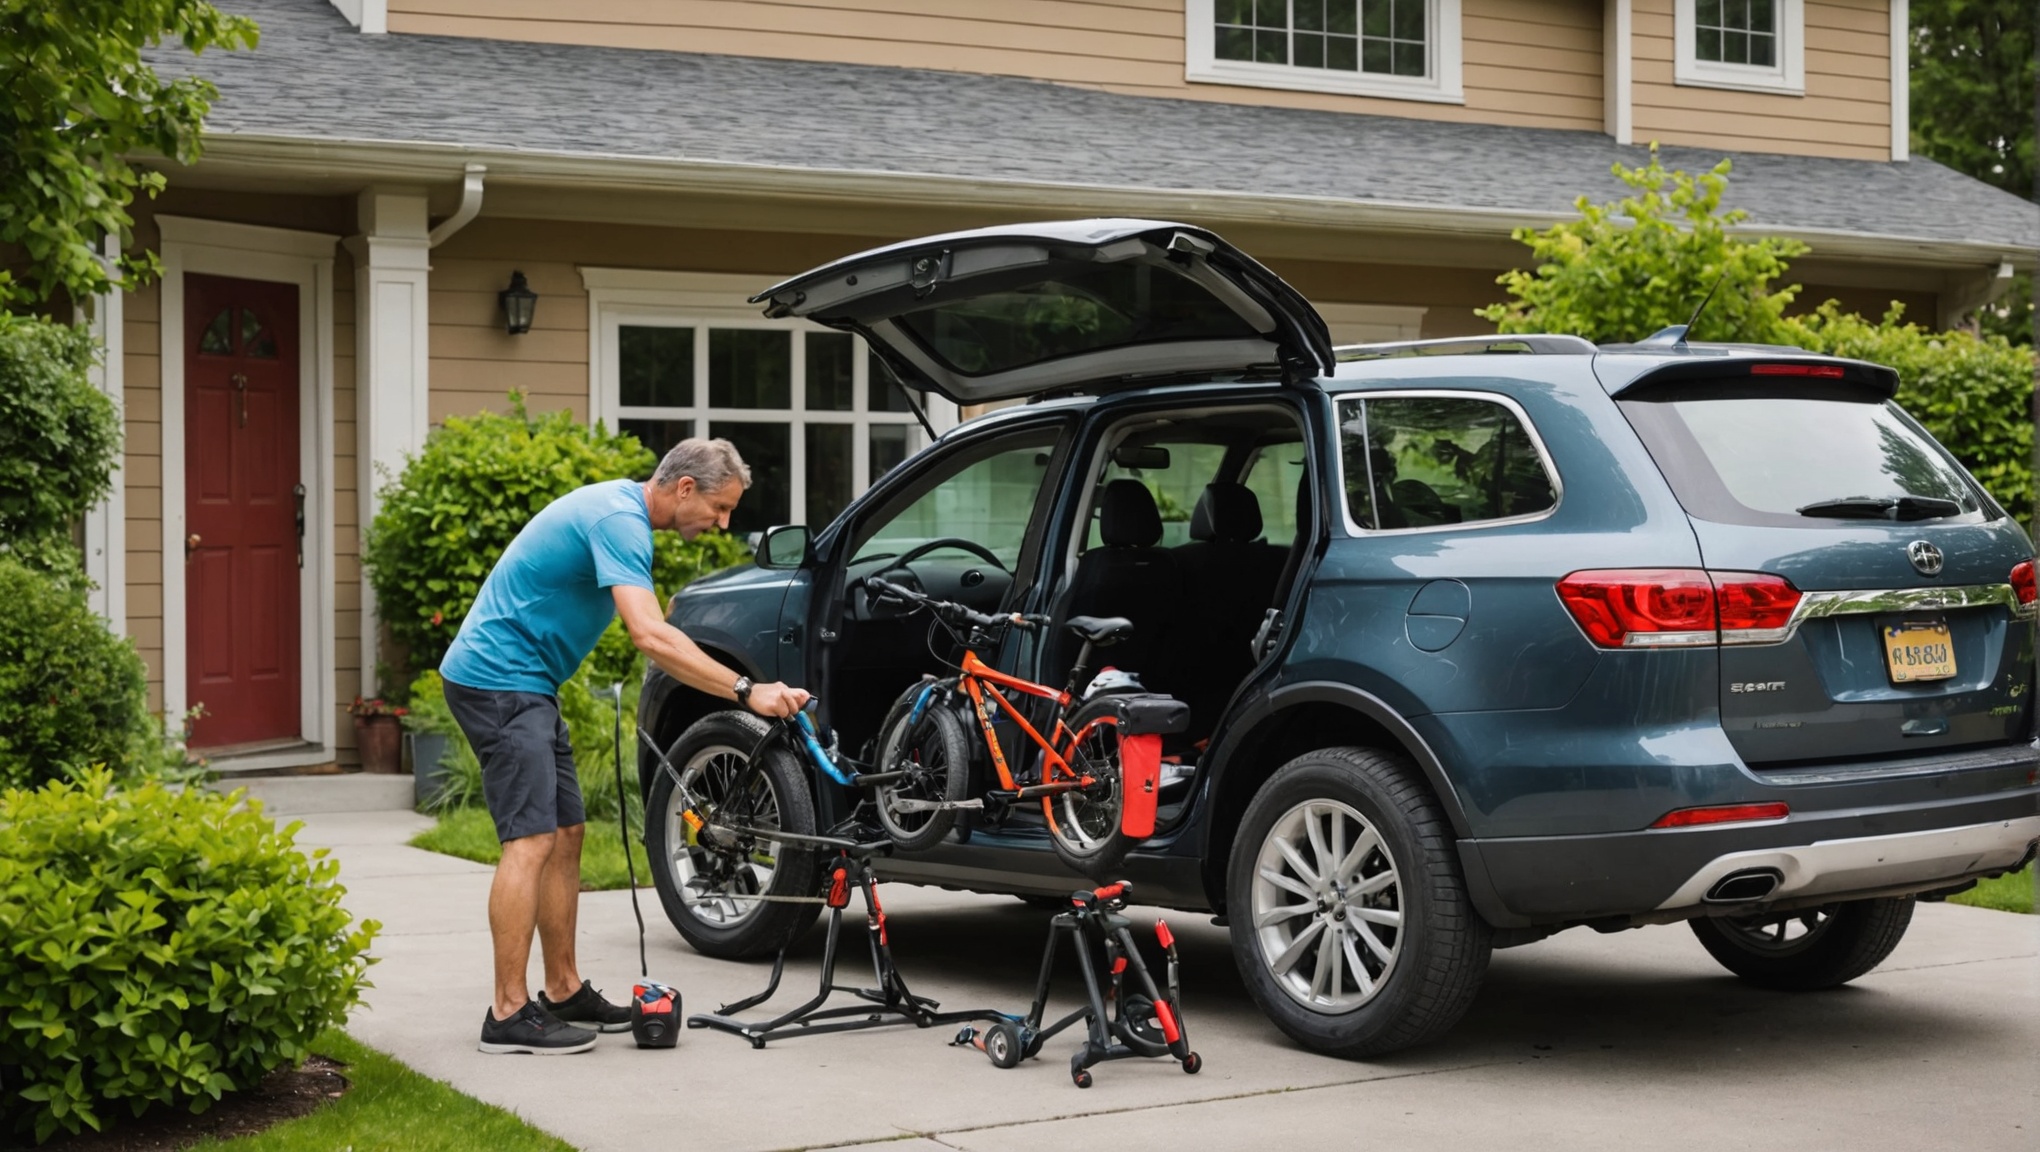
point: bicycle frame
(981, 682)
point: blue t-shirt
(546, 602)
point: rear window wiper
(1884, 508)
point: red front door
(241, 506)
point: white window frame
(618, 297)
(1442, 83)
(1787, 77)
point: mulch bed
(283, 1095)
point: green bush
(1624, 270)
(72, 694)
(1974, 394)
(158, 946)
(58, 440)
(460, 502)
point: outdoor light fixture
(519, 301)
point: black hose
(623, 824)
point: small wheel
(935, 755)
(1081, 1077)
(1002, 1044)
(1084, 826)
(1193, 1064)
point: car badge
(1925, 557)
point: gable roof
(314, 79)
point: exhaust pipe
(1744, 886)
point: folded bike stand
(1122, 1022)
(889, 1003)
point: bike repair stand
(1122, 1024)
(889, 1003)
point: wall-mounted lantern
(519, 301)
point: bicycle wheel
(933, 753)
(1084, 825)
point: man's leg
(559, 905)
(516, 898)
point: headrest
(1228, 512)
(1127, 516)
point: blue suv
(1482, 639)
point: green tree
(58, 440)
(80, 103)
(1624, 270)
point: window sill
(1767, 81)
(1246, 75)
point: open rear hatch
(1876, 606)
(1072, 306)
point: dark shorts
(527, 763)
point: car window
(1274, 478)
(1175, 487)
(1424, 461)
(984, 493)
(1759, 460)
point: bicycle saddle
(1100, 630)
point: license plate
(1919, 650)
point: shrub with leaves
(58, 439)
(461, 501)
(1974, 394)
(1624, 270)
(158, 946)
(72, 694)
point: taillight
(1722, 814)
(1642, 607)
(2022, 582)
(1678, 607)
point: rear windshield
(1087, 310)
(1790, 461)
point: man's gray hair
(712, 463)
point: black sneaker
(588, 1009)
(532, 1031)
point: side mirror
(787, 546)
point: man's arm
(683, 659)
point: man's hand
(683, 659)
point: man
(585, 557)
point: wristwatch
(743, 690)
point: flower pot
(380, 740)
(424, 751)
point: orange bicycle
(1099, 770)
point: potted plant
(379, 734)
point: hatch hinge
(928, 271)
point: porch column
(106, 524)
(392, 359)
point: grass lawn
(469, 834)
(392, 1107)
(2013, 893)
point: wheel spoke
(1297, 947)
(1324, 982)
(1370, 885)
(1386, 917)
(1287, 884)
(1302, 870)
(1358, 969)
(1349, 864)
(1320, 854)
(1374, 944)
(1283, 912)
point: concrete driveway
(1632, 1041)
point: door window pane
(987, 497)
(656, 367)
(657, 435)
(828, 471)
(750, 368)
(889, 447)
(829, 385)
(1414, 462)
(1275, 479)
(767, 449)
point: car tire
(934, 752)
(1808, 949)
(1399, 910)
(690, 876)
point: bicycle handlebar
(952, 612)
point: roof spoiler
(1468, 346)
(1758, 374)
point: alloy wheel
(1327, 906)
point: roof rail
(1469, 346)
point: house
(379, 172)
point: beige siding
(142, 473)
(1846, 111)
(1527, 62)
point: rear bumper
(1665, 874)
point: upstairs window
(1751, 45)
(1400, 49)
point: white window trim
(620, 296)
(284, 255)
(1443, 84)
(1786, 78)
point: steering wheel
(970, 546)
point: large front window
(1399, 49)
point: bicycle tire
(1084, 826)
(934, 751)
